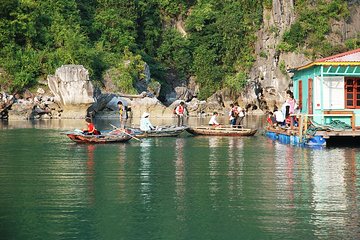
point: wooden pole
(301, 125)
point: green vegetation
(282, 67)
(353, 43)
(118, 36)
(210, 40)
(312, 26)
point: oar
(126, 133)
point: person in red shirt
(180, 111)
(91, 130)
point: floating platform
(292, 137)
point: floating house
(327, 92)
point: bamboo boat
(108, 137)
(165, 131)
(221, 131)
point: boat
(221, 131)
(160, 131)
(107, 137)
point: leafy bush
(235, 83)
(313, 25)
(353, 43)
(267, 4)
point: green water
(173, 188)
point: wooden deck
(342, 133)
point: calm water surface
(173, 188)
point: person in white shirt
(145, 124)
(240, 116)
(213, 121)
(279, 116)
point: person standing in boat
(180, 111)
(232, 116)
(240, 115)
(145, 124)
(213, 121)
(123, 116)
(91, 130)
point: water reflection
(122, 172)
(145, 171)
(90, 173)
(284, 172)
(180, 178)
(213, 164)
(331, 178)
(233, 184)
(235, 167)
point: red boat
(109, 137)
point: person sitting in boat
(145, 124)
(91, 130)
(279, 117)
(213, 122)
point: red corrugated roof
(350, 56)
(347, 58)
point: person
(122, 114)
(213, 122)
(271, 119)
(91, 130)
(145, 124)
(292, 105)
(180, 111)
(291, 101)
(279, 117)
(232, 117)
(240, 115)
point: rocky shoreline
(69, 94)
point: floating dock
(309, 133)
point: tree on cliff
(210, 40)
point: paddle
(126, 133)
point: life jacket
(288, 120)
(180, 109)
(269, 120)
(234, 112)
(91, 127)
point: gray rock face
(71, 85)
(267, 84)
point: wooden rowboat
(221, 131)
(163, 131)
(109, 137)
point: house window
(352, 92)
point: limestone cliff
(268, 77)
(71, 85)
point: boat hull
(103, 138)
(219, 131)
(161, 132)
